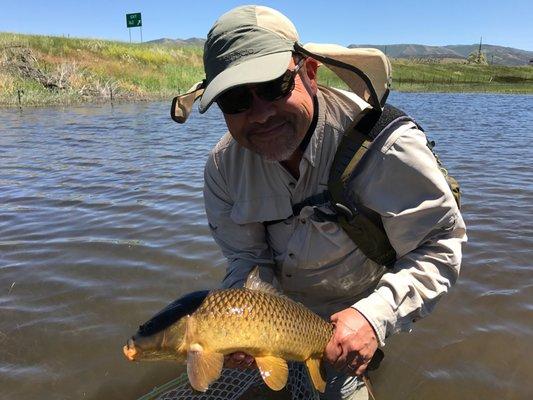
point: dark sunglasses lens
(276, 89)
(235, 100)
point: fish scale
(259, 323)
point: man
(284, 130)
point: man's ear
(311, 72)
(311, 68)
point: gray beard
(282, 152)
(281, 155)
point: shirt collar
(340, 111)
(310, 153)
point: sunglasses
(239, 98)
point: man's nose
(260, 110)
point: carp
(201, 327)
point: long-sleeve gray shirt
(314, 261)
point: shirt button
(291, 255)
(292, 185)
(288, 275)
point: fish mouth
(130, 351)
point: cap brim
(260, 69)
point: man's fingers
(231, 362)
(250, 361)
(342, 359)
(361, 369)
(238, 356)
(239, 360)
(350, 365)
(358, 365)
(332, 351)
(348, 352)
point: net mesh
(237, 384)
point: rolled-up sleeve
(243, 245)
(404, 184)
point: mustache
(269, 124)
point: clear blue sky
(430, 22)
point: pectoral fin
(274, 371)
(203, 367)
(316, 373)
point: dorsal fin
(176, 310)
(254, 282)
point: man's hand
(353, 343)
(239, 360)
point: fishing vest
(361, 224)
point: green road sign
(134, 20)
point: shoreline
(66, 101)
(55, 102)
(47, 70)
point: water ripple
(102, 224)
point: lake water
(102, 224)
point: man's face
(275, 129)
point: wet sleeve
(424, 225)
(243, 245)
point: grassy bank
(48, 70)
(453, 77)
(56, 70)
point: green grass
(459, 77)
(456, 77)
(94, 69)
(99, 67)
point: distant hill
(498, 55)
(413, 51)
(502, 55)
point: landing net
(237, 384)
